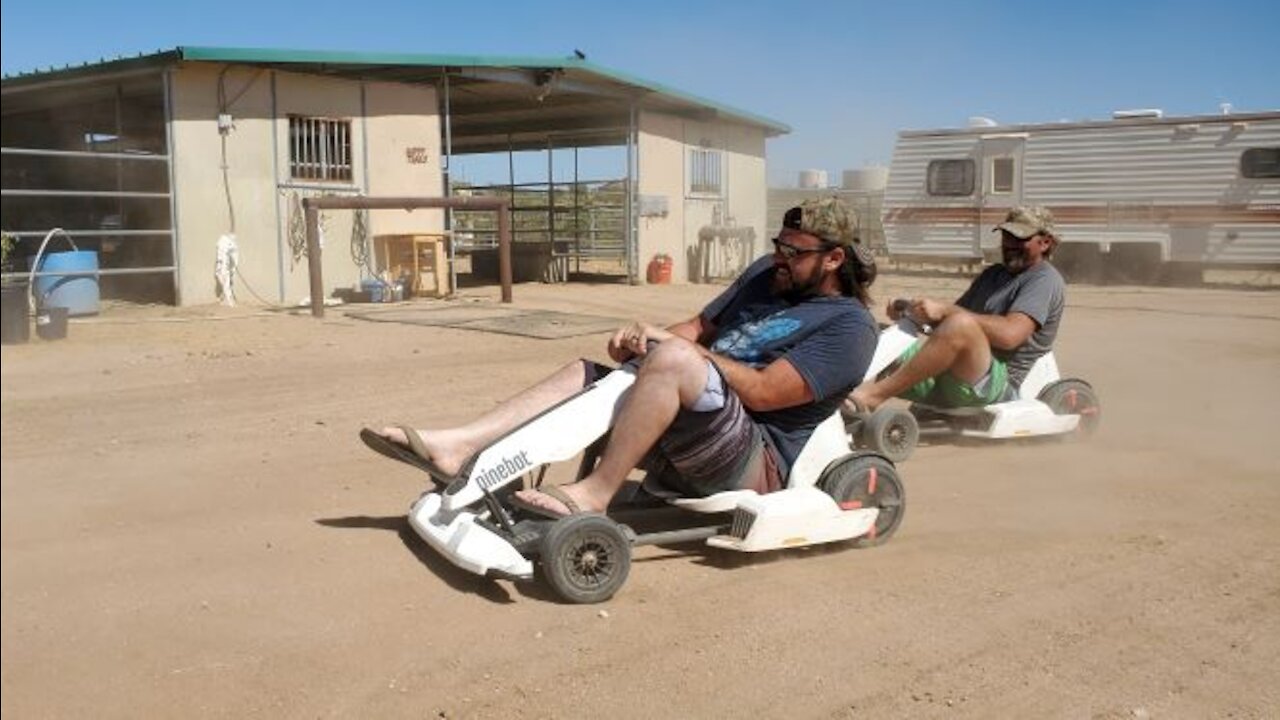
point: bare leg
(958, 344)
(450, 447)
(673, 376)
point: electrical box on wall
(225, 123)
(653, 206)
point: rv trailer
(1151, 194)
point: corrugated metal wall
(1173, 183)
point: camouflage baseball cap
(1025, 221)
(828, 219)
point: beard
(1014, 259)
(791, 288)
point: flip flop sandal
(553, 492)
(415, 453)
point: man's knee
(673, 355)
(959, 330)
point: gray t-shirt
(1038, 293)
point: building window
(1260, 163)
(319, 149)
(1001, 175)
(951, 177)
(704, 171)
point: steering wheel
(905, 322)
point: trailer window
(319, 148)
(1001, 175)
(1260, 163)
(951, 177)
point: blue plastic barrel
(79, 294)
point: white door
(1000, 170)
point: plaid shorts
(712, 447)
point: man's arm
(777, 385)
(633, 339)
(697, 330)
(1004, 332)
(773, 387)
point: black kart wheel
(867, 481)
(586, 558)
(1074, 397)
(892, 432)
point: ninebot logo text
(509, 467)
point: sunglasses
(787, 251)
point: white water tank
(813, 179)
(1138, 113)
(867, 179)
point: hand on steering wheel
(915, 315)
(635, 340)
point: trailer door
(1000, 186)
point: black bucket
(14, 326)
(51, 323)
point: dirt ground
(191, 528)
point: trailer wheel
(1079, 262)
(1134, 263)
(892, 432)
(1074, 397)
(585, 558)
(867, 481)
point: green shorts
(946, 390)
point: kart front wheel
(1074, 397)
(867, 481)
(585, 558)
(892, 432)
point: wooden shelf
(422, 257)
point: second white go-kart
(833, 494)
(1046, 404)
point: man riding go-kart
(735, 410)
(982, 366)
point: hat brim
(1019, 230)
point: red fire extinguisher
(659, 270)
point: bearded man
(982, 347)
(724, 400)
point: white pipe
(35, 265)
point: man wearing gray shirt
(982, 347)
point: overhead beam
(552, 102)
(540, 126)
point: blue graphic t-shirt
(829, 341)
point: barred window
(951, 177)
(704, 171)
(1001, 175)
(1260, 163)
(319, 149)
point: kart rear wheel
(1074, 397)
(892, 432)
(867, 481)
(585, 558)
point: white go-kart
(1046, 404)
(833, 494)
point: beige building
(152, 160)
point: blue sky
(846, 76)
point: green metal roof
(585, 77)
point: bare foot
(580, 495)
(445, 455)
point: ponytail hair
(858, 273)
